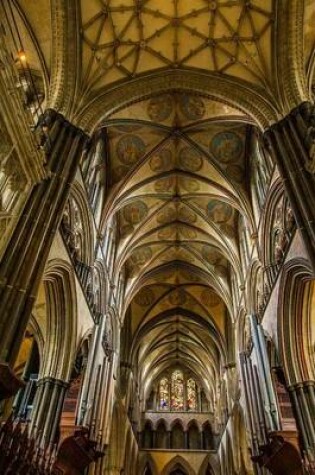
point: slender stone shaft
(47, 409)
(23, 263)
(292, 145)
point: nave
(157, 244)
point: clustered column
(291, 142)
(303, 399)
(23, 263)
(47, 409)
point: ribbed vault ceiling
(177, 185)
(177, 173)
(128, 37)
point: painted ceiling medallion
(135, 212)
(190, 160)
(226, 146)
(160, 108)
(161, 161)
(192, 107)
(219, 212)
(130, 148)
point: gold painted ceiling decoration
(124, 38)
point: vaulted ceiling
(177, 185)
(126, 38)
(178, 168)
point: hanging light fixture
(26, 80)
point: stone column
(291, 142)
(155, 400)
(47, 409)
(153, 439)
(186, 439)
(303, 400)
(199, 408)
(23, 263)
(169, 439)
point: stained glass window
(164, 394)
(177, 391)
(191, 395)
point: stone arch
(61, 312)
(177, 435)
(208, 436)
(147, 435)
(210, 465)
(178, 463)
(147, 465)
(251, 100)
(162, 435)
(296, 321)
(193, 435)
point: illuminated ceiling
(177, 184)
(126, 38)
(177, 178)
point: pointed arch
(296, 321)
(59, 286)
(237, 93)
(147, 465)
(178, 463)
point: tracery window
(177, 393)
(191, 395)
(177, 397)
(164, 394)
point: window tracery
(177, 392)
(164, 394)
(191, 395)
(177, 388)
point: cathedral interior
(157, 237)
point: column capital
(52, 381)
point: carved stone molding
(289, 54)
(252, 101)
(65, 54)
